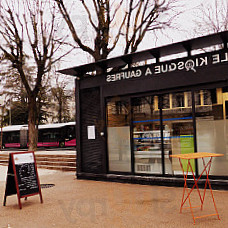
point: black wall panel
(92, 149)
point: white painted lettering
(215, 59)
(226, 58)
(157, 69)
(203, 61)
(113, 77)
(138, 73)
(108, 79)
(127, 74)
(197, 62)
(164, 68)
(172, 67)
(132, 74)
(118, 77)
(148, 71)
(180, 65)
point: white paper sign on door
(91, 132)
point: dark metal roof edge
(174, 48)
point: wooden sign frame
(22, 177)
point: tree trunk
(60, 113)
(32, 124)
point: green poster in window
(187, 146)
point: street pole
(1, 115)
(10, 120)
(1, 136)
(1, 129)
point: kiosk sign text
(186, 64)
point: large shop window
(212, 128)
(118, 129)
(163, 125)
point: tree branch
(72, 28)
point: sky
(183, 31)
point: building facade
(132, 119)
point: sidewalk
(90, 204)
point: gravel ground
(93, 204)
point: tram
(49, 135)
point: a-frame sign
(22, 177)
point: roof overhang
(154, 53)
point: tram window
(50, 136)
(70, 133)
(15, 137)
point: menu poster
(22, 176)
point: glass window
(197, 96)
(166, 101)
(213, 96)
(206, 97)
(212, 130)
(14, 137)
(211, 112)
(178, 100)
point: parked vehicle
(49, 135)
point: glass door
(178, 132)
(118, 130)
(147, 135)
(137, 140)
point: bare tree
(27, 33)
(61, 95)
(211, 17)
(17, 99)
(138, 17)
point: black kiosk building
(135, 110)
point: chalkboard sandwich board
(22, 177)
